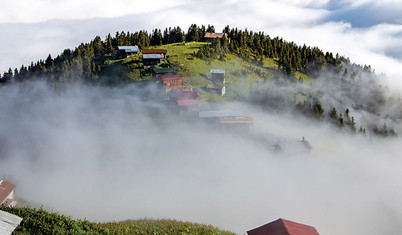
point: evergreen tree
(333, 114)
(98, 46)
(210, 29)
(340, 119)
(352, 124)
(318, 110)
(192, 34)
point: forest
(90, 63)
(84, 63)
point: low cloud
(109, 154)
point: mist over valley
(96, 137)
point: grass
(241, 74)
(43, 222)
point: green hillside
(43, 222)
(242, 74)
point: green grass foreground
(43, 222)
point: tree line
(85, 61)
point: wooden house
(218, 75)
(228, 119)
(210, 37)
(158, 71)
(7, 193)
(216, 88)
(171, 81)
(283, 227)
(128, 51)
(8, 222)
(153, 57)
(187, 98)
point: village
(181, 97)
(184, 100)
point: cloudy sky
(343, 185)
(366, 31)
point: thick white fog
(105, 154)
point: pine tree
(352, 124)
(192, 34)
(210, 29)
(333, 114)
(340, 119)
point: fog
(110, 154)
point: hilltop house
(216, 88)
(284, 227)
(157, 71)
(153, 57)
(7, 196)
(218, 75)
(228, 119)
(171, 81)
(209, 37)
(187, 98)
(128, 51)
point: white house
(7, 193)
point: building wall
(173, 83)
(151, 62)
(218, 77)
(10, 197)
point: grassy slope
(241, 74)
(43, 222)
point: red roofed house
(172, 81)
(187, 98)
(7, 193)
(283, 227)
(153, 57)
(209, 37)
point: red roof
(154, 51)
(228, 120)
(186, 95)
(187, 102)
(283, 227)
(172, 76)
(214, 35)
(5, 189)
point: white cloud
(308, 3)
(42, 10)
(378, 46)
(99, 153)
(297, 21)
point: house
(128, 51)
(216, 88)
(7, 196)
(153, 57)
(187, 98)
(283, 227)
(210, 37)
(293, 147)
(171, 81)
(8, 222)
(158, 71)
(220, 113)
(228, 119)
(218, 75)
